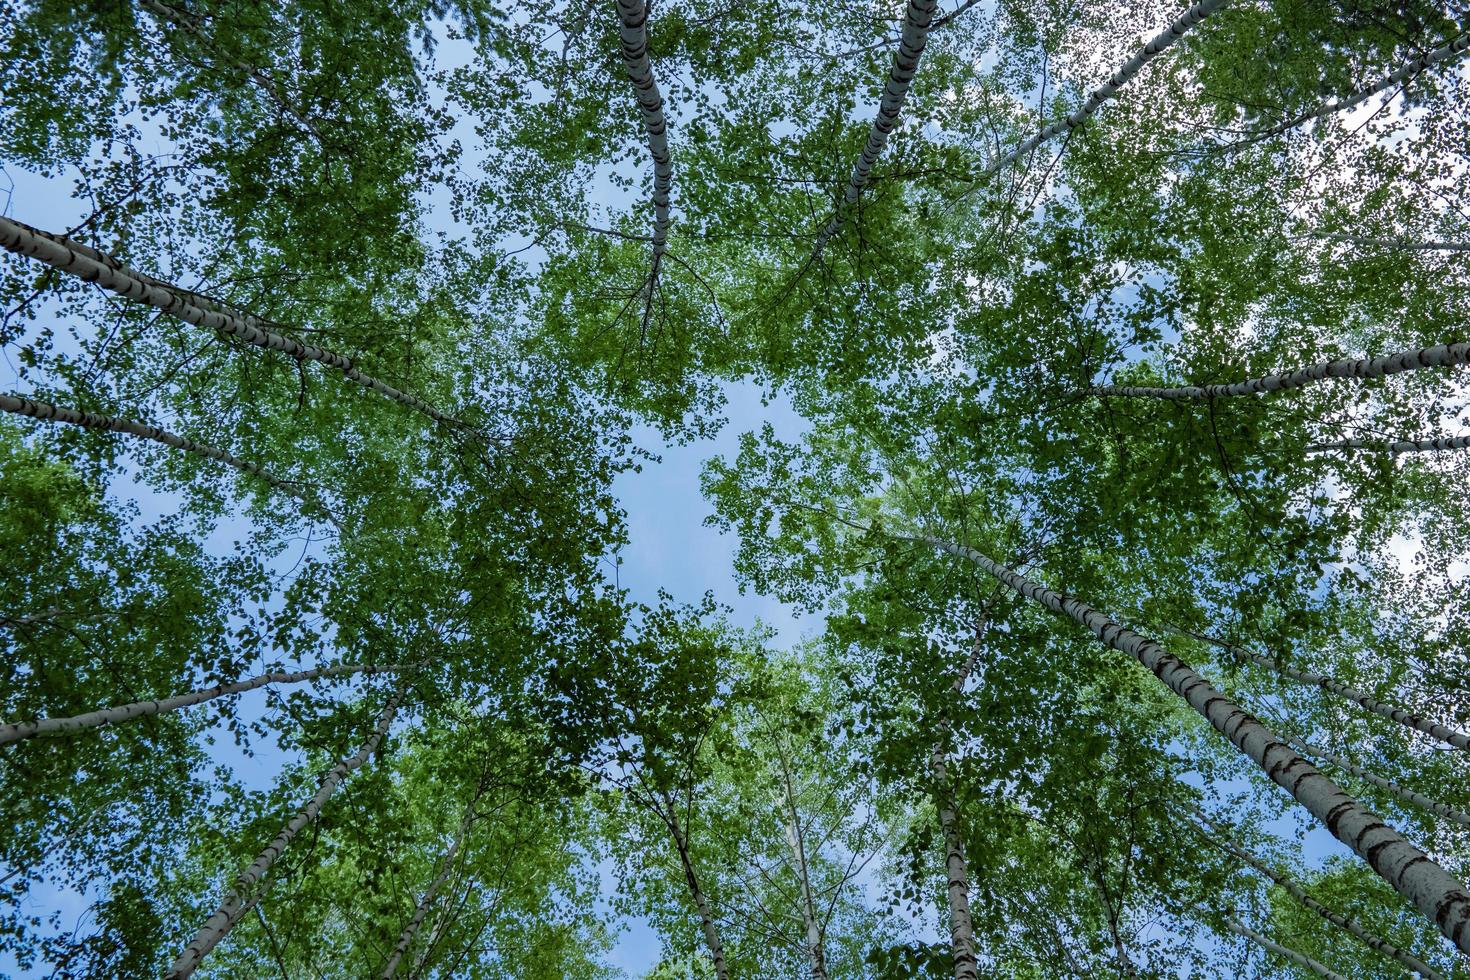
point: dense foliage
(1100, 317)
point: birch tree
(1003, 394)
(236, 901)
(918, 18)
(1216, 837)
(1109, 89)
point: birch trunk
(961, 925)
(1285, 952)
(1387, 785)
(240, 897)
(446, 867)
(89, 265)
(889, 42)
(814, 942)
(1407, 869)
(190, 25)
(633, 41)
(1395, 448)
(1442, 355)
(1444, 53)
(1406, 718)
(1402, 244)
(47, 412)
(1109, 89)
(140, 709)
(917, 22)
(711, 929)
(1213, 834)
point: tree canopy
(1128, 507)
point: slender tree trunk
(633, 40)
(1401, 244)
(1110, 88)
(442, 920)
(712, 940)
(917, 22)
(1214, 835)
(239, 898)
(961, 925)
(815, 945)
(1406, 718)
(888, 42)
(1442, 355)
(1285, 952)
(1394, 448)
(1446, 52)
(190, 25)
(139, 709)
(47, 615)
(47, 412)
(1412, 873)
(81, 261)
(1387, 785)
(446, 867)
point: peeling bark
(633, 41)
(957, 886)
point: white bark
(240, 896)
(889, 42)
(1285, 952)
(1442, 355)
(47, 412)
(1406, 718)
(815, 945)
(1387, 785)
(1222, 840)
(633, 41)
(1402, 244)
(84, 263)
(1442, 444)
(957, 888)
(446, 867)
(139, 709)
(917, 22)
(1109, 89)
(1444, 53)
(711, 929)
(1411, 872)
